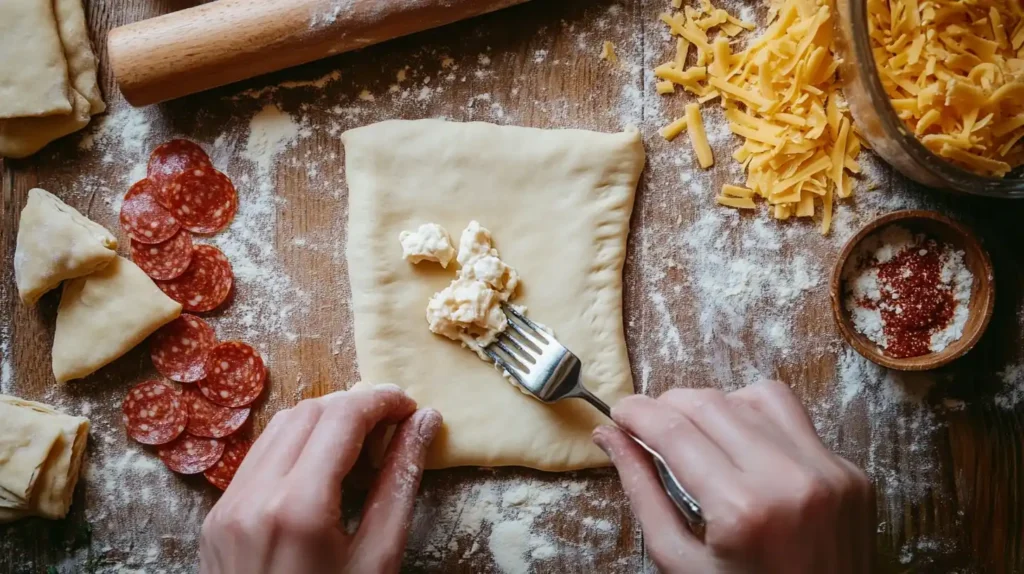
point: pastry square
(558, 204)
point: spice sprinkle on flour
(907, 292)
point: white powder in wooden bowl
(906, 292)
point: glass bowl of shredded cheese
(937, 89)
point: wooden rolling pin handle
(230, 40)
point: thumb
(380, 539)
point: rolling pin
(226, 41)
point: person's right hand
(773, 497)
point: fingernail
(600, 440)
(428, 422)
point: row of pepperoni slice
(196, 427)
(181, 194)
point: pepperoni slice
(235, 375)
(165, 260)
(145, 220)
(207, 419)
(171, 158)
(205, 284)
(191, 454)
(234, 453)
(153, 413)
(203, 199)
(179, 348)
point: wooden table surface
(704, 301)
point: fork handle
(682, 499)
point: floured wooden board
(713, 297)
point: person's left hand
(282, 512)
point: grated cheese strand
(608, 52)
(781, 95)
(954, 71)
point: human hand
(774, 498)
(282, 512)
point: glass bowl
(884, 131)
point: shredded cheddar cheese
(671, 131)
(954, 72)
(780, 94)
(608, 52)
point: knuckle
(813, 493)
(226, 523)
(771, 390)
(288, 517)
(307, 409)
(744, 523)
(279, 418)
(693, 399)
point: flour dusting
(6, 362)
(119, 135)
(505, 517)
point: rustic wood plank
(948, 472)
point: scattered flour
(122, 135)
(249, 242)
(1012, 393)
(507, 516)
(318, 83)
(271, 132)
(6, 361)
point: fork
(549, 372)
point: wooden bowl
(983, 294)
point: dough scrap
(55, 243)
(559, 201)
(82, 64)
(103, 315)
(41, 452)
(33, 71)
(24, 136)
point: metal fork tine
(529, 337)
(522, 354)
(509, 309)
(511, 369)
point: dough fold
(558, 203)
(22, 135)
(55, 243)
(41, 452)
(33, 71)
(103, 315)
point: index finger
(333, 447)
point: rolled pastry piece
(55, 243)
(41, 452)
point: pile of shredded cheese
(954, 71)
(780, 94)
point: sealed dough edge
(558, 203)
(55, 243)
(104, 315)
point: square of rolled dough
(558, 204)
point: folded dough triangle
(56, 242)
(54, 464)
(103, 315)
